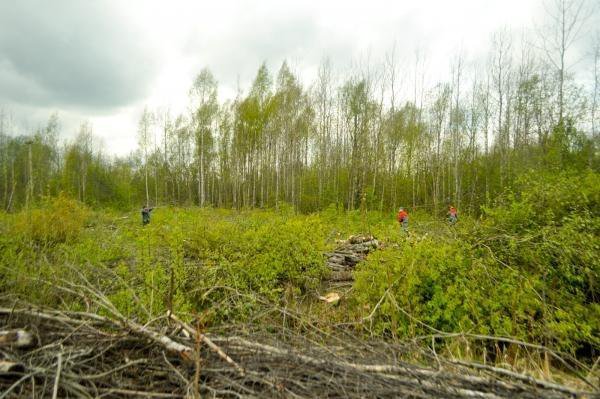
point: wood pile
(348, 254)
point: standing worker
(402, 218)
(452, 215)
(146, 214)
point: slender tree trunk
(13, 187)
(29, 197)
(201, 171)
(83, 178)
(277, 173)
(146, 180)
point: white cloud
(232, 38)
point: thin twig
(57, 378)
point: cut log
(16, 338)
(331, 298)
(336, 264)
(362, 249)
(11, 367)
(341, 276)
(347, 255)
(343, 251)
(340, 284)
(353, 259)
(337, 267)
(359, 239)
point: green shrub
(529, 270)
(437, 285)
(261, 251)
(56, 220)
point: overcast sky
(104, 60)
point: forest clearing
(503, 305)
(300, 199)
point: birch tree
(204, 111)
(144, 141)
(566, 20)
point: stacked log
(348, 254)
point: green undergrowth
(186, 260)
(528, 269)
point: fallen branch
(110, 357)
(208, 342)
(57, 379)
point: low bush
(530, 269)
(56, 220)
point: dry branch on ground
(87, 355)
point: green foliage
(262, 251)
(441, 285)
(187, 260)
(530, 269)
(555, 240)
(55, 220)
(547, 199)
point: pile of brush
(47, 353)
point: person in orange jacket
(452, 215)
(402, 218)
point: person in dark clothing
(146, 214)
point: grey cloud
(271, 37)
(70, 53)
(295, 36)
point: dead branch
(87, 355)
